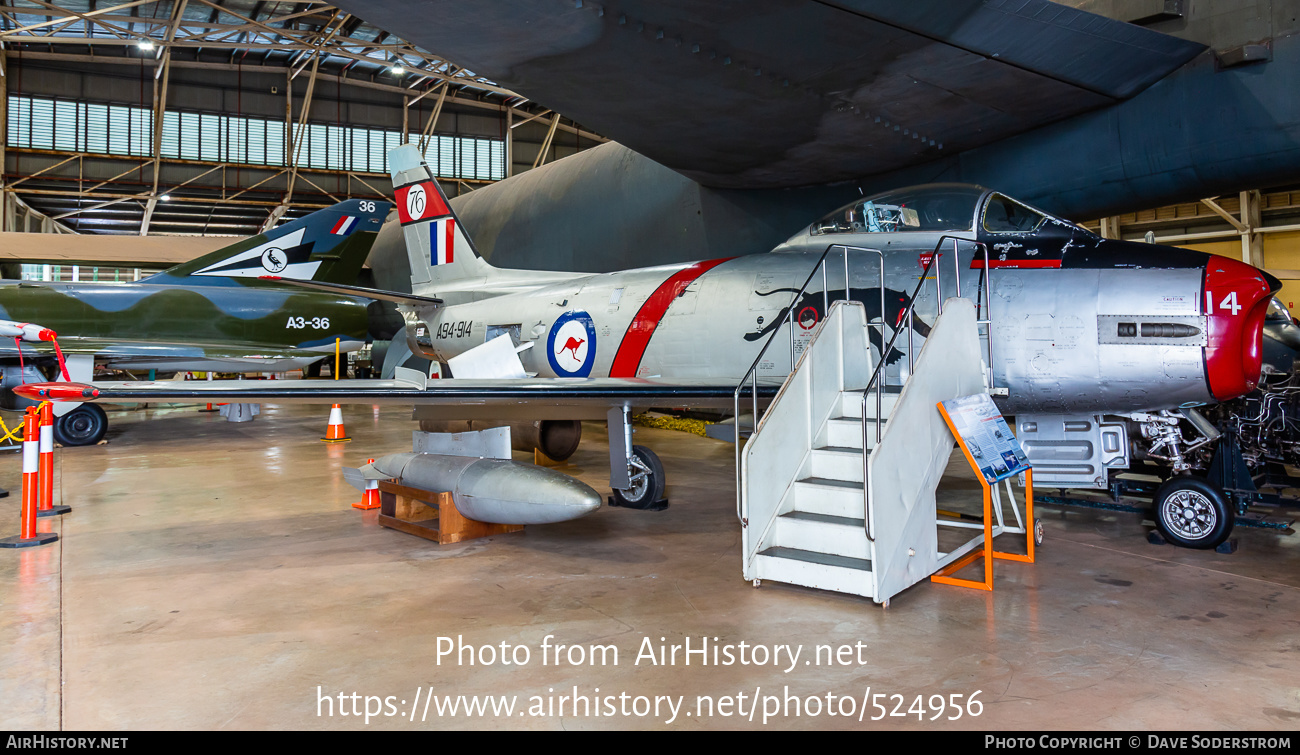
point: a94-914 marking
(453, 329)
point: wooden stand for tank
(432, 516)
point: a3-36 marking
(315, 323)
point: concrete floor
(215, 576)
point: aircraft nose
(1235, 301)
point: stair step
(813, 569)
(820, 495)
(838, 463)
(810, 532)
(812, 516)
(847, 432)
(851, 403)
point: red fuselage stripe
(976, 264)
(637, 338)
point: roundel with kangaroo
(571, 346)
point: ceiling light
(398, 70)
(146, 44)
(166, 197)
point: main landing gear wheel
(83, 426)
(647, 481)
(1193, 513)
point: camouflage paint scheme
(176, 327)
(215, 312)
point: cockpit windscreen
(1005, 215)
(923, 208)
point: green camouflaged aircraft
(212, 313)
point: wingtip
(57, 391)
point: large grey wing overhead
(779, 93)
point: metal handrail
(876, 375)
(751, 374)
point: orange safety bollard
(370, 498)
(45, 467)
(31, 464)
(334, 433)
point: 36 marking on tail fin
(442, 242)
(420, 201)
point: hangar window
(940, 207)
(67, 126)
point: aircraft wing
(369, 293)
(525, 398)
(780, 93)
(116, 348)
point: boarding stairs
(836, 487)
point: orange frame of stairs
(944, 575)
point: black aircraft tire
(1193, 513)
(651, 487)
(83, 426)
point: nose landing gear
(635, 473)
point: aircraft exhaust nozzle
(497, 491)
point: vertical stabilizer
(439, 250)
(329, 246)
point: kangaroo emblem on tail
(572, 345)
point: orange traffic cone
(335, 433)
(28, 535)
(370, 498)
(45, 468)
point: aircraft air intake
(1235, 297)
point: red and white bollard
(370, 498)
(45, 503)
(28, 535)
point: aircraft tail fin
(329, 246)
(437, 246)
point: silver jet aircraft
(1081, 328)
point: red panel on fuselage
(1235, 298)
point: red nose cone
(1235, 300)
(56, 391)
